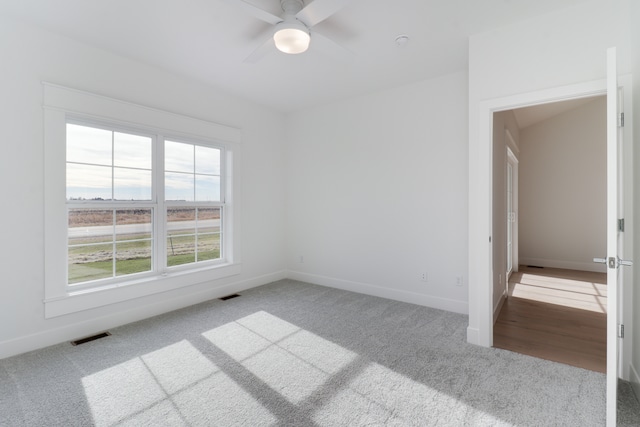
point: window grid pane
(95, 235)
(97, 263)
(134, 242)
(89, 182)
(88, 145)
(193, 235)
(131, 184)
(192, 172)
(133, 151)
(207, 161)
(179, 187)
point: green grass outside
(103, 269)
(173, 260)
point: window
(113, 203)
(193, 199)
(138, 201)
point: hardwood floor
(555, 314)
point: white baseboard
(473, 335)
(569, 265)
(635, 381)
(92, 326)
(455, 306)
(82, 329)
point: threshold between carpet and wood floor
(294, 354)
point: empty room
(281, 212)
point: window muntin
(113, 204)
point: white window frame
(62, 105)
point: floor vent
(534, 266)
(229, 297)
(91, 338)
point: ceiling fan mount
(291, 6)
(292, 32)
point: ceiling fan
(291, 32)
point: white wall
(377, 193)
(563, 194)
(30, 56)
(502, 121)
(511, 65)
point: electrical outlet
(424, 277)
(301, 259)
(459, 280)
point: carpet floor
(294, 354)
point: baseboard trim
(455, 306)
(59, 335)
(569, 265)
(473, 335)
(635, 381)
(77, 330)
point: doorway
(549, 174)
(481, 212)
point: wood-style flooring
(557, 315)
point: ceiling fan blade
(262, 15)
(319, 10)
(261, 51)
(326, 45)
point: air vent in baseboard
(91, 338)
(229, 297)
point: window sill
(86, 299)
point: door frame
(513, 161)
(480, 329)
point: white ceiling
(208, 40)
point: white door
(614, 236)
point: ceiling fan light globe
(291, 40)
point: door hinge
(620, 330)
(621, 120)
(621, 224)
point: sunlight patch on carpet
(175, 384)
(168, 366)
(109, 392)
(301, 367)
(290, 360)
